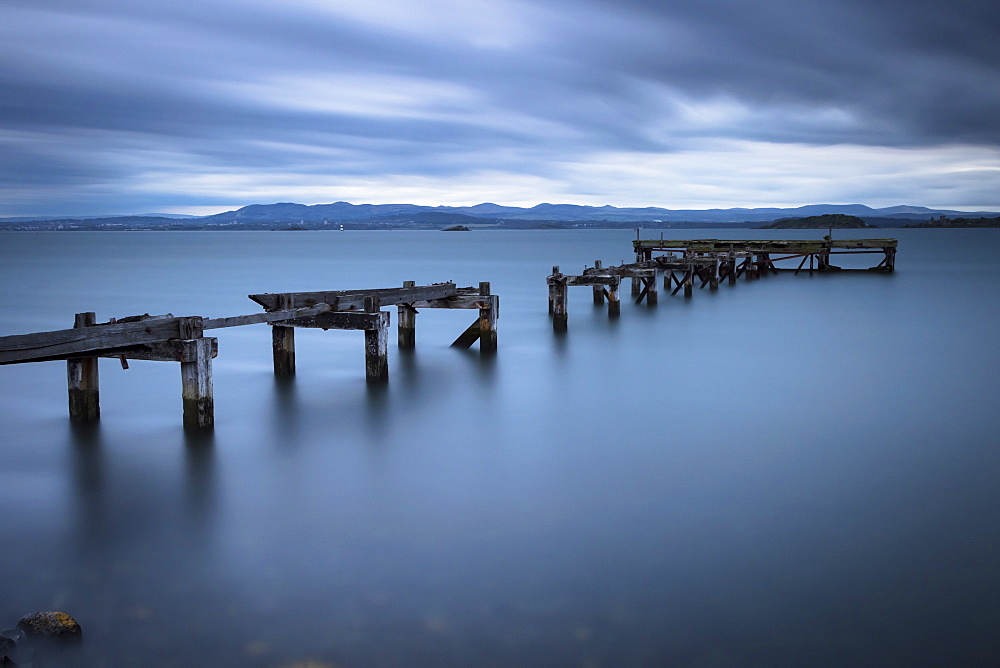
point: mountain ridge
(257, 216)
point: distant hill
(826, 221)
(345, 211)
(344, 215)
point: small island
(823, 222)
(456, 228)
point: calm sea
(792, 471)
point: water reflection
(87, 453)
(406, 373)
(377, 403)
(199, 459)
(483, 366)
(287, 422)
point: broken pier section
(182, 339)
(708, 261)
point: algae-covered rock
(52, 626)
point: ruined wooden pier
(182, 339)
(817, 252)
(708, 261)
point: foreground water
(794, 471)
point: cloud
(349, 95)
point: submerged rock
(51, 626)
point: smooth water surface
(792, 471)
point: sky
(201, 106)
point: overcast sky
(199, 106)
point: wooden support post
(557, 296)
(731, 270)
(636, 286)
(83, 380)
(689, 283)
(890, 259)
(407, 325)
(283, 349)
(196, 383)
(614, 302)
(376, 345)
(283, 344)
(552, 291)
(598, 289)
(763, 265)
(652, 296)
(488, 321)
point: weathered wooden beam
(455, 301)
(469, 336)
(337, 320)
(196, 382)
(84, 340)
(590, 279)
(345, 300)
(174, 350)
(268, 317)
(376, 342)
(83, 380)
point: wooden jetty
(182, 339)
(817, 253)
(708, 261)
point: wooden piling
(488, 320)
(557, 300)
(552, 291)
(689, 283)
(376, 345)
(407, 325)
(614, 301)
(652, 296)
(598, 289)
(823, 260)
(83, 380)
(196, 383)
(283, 344)
(196, 374)
(283, 349)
